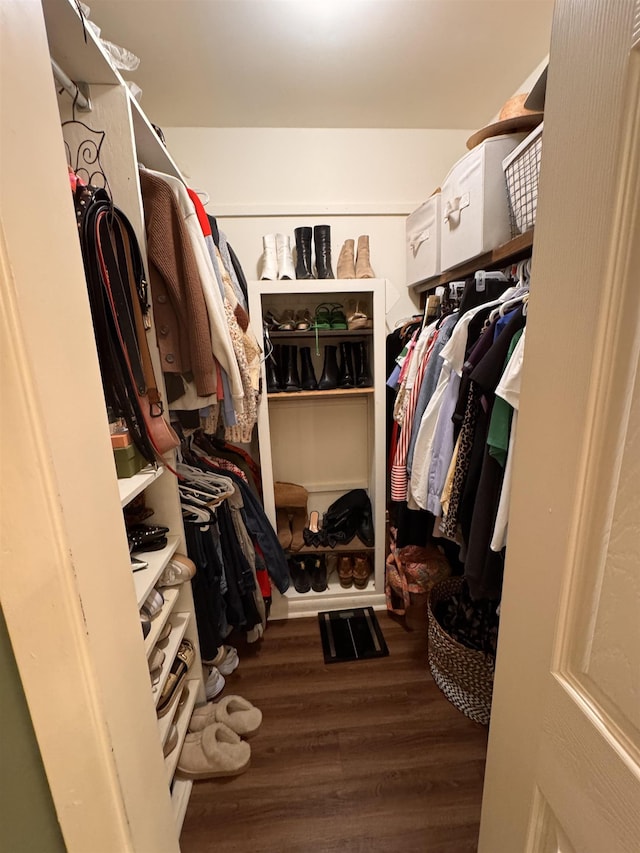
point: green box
(128, 461)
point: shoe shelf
(179, 622)
(340, 548)
(145, 579)
(130, 487)
(334, 392)
(334, 588)
(184, 715)
(158, 622)
(180, 793)
(323, 333)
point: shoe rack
(72, 602)
(327, 441)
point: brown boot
(298, 523)
(361, 570)
(283, 528)
(290, 495)
(346, 265)
(345, 570)
(363, 265)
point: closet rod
(82, 102)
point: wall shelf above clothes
(515, 250)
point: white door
(563, 766)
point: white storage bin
(423, 241)
(475, 206)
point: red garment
(202, 214)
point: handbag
(411, 570)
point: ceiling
(327, 63)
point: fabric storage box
(475, 208)
(128, 461)
(521, 170)
(423, 241)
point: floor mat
(351, 635)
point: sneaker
(226, 661)
(179, 570)
(215, 684)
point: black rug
(351, 635)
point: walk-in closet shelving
(102, 751)
(517, 249)
(328, 441)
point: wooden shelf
(130, 487)
(353, 547)
(323, 333)
(333, 588)
(509, 252)
(336, 392)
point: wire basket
(522, 169)
(465, 676)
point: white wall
(266, 180)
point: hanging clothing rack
(81, 101)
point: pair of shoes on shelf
(282, 370)
(214, 748)
(277, 261)
(350, 266)
(322, 243)
(308, 573)
(357, 318)
(289, 321)
(173, 736)
(353, 370)
(354, 570)
(328, 316)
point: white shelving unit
(328, 441)
(102, 748)
(131, 487)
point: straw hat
(514, 118)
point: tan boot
(363, 265)
(298, 522)
(283, 528)
(289, 495)
(346, 265)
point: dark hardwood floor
(353, 757)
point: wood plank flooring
(358, 757)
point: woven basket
(465, 676)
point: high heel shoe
(357, 319)
(311, 534)
(303, 320)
